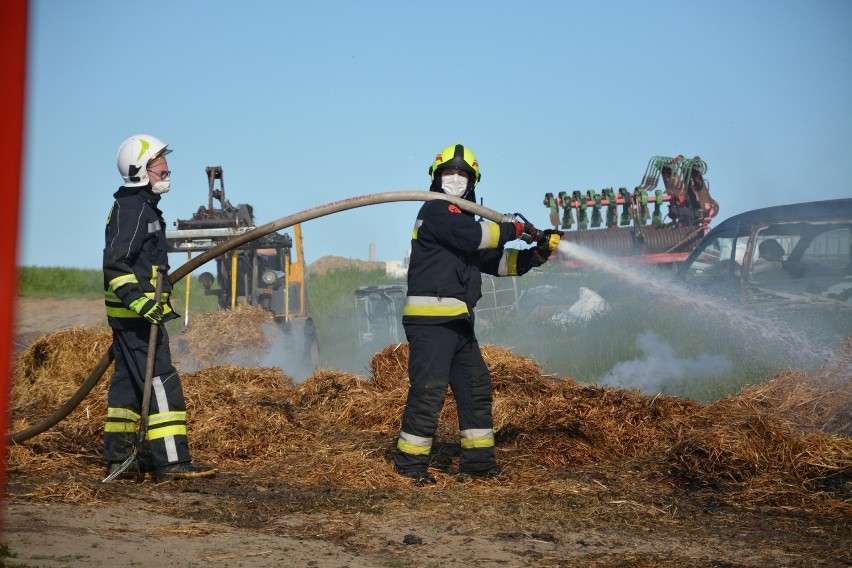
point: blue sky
(305, 103)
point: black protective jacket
(449, 251)
(135, 247)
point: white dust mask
(454, 184)
(161, 186)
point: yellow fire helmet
(456, 156)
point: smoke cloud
(287, 351)
(660, 366)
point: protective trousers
(167, 414)
(442, 355)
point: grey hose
(282, 223)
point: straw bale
(70, 351)
(325, 387)
(817, 456)
(47, 373)
(724, 445)
(345, 402)
(256, 420)
(553, 451)
(53, 367)
(513, 373)
(236, 336)
(389, 368)
(509, 371)
(616, 422)
(809, 401)
(736, 442)
(365, 409)
(240, 414)
(578, 423)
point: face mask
(454, 185)
(161, 186)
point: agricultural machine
(632, 225)
(259, 273)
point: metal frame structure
(632, 225)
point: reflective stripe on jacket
(449, 252)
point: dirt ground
(587, 517)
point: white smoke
(287, 351)
(659, 366)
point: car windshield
(713, 262)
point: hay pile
(807, 401)
(786, 441)
(223, 337)
(51, 370)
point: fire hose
(321, 211)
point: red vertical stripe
(13, 62)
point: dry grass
(784, 442)
(226, 337)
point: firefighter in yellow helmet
(449, 251)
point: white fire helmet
(133, 157)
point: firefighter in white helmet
(449, 250)
(134, 250)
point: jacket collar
(143, 190)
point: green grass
(53, 282)
(5, 553)
(332, 301)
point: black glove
(539, 256)
(546, 243)
(549, 240)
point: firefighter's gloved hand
(548, 240)
(148, 309)
(526, 232)
(155, 314)
(539, 256)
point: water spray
(748, 324)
